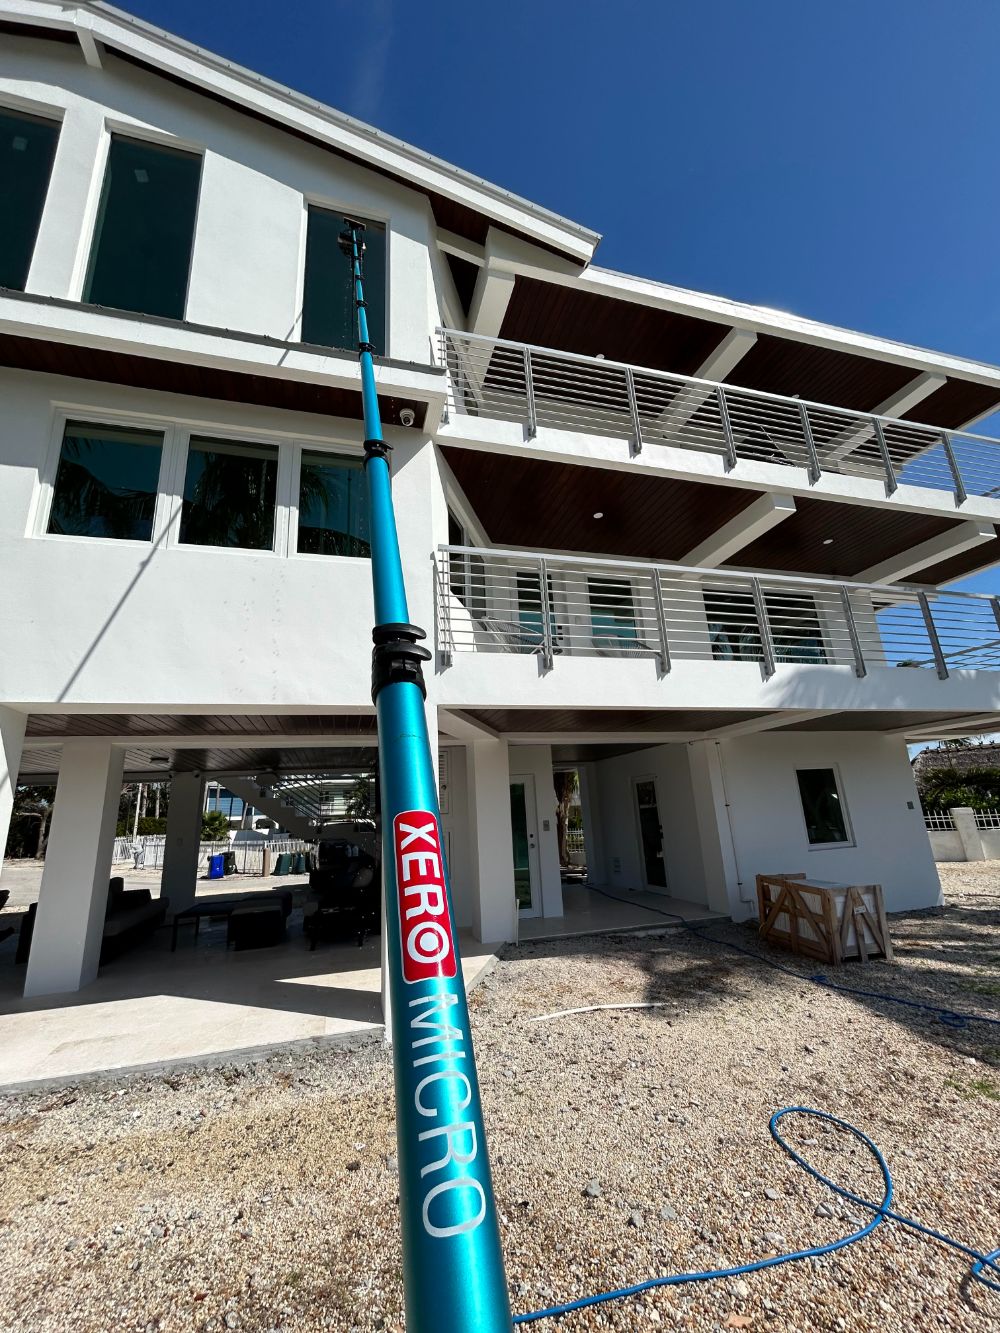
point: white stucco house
(695, 550)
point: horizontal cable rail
(497, 601)
(540, 387)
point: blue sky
(834, 160)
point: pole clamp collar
(376, 449)
(397, 657)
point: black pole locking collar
(397, 657)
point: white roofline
(224, 78)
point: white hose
(592, 1008)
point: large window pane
(612, 611)
(826, 818)
(735, 635)
(106, 482)
(27, 147)
(333, 506)
(328, 297)
(145, 229)
(229, 492)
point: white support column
(491, 854)
(758, 517)
(69, 921)
(715, 831)
(11, 738)
(179, 882)
(967, 829)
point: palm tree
(567, 785)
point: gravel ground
(263, 1197)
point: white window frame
(345, 210)
(850, 840)
(167, 510)
(124, 129)
(38, 519)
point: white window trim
(850, 841)
(173, 470)
(369, 215)
(41, 511)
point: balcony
(554, 608)
(540, 388)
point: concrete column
(491, 855)
(716, 836)
(964, 820)
(183, 839)
(66, 944)
(11, 737)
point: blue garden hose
(981, 1263)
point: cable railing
(543, 388)
(496, 601)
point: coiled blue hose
(981, 1263)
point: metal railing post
(852, 629)
(529, 388)
(633, 408)
(727, 429)
(932, 634)
(661, 622)
(961, 494)
(890, 472)
(807, 434)
(764, 626)
(548, 655)
(443, 576)
(995, 603)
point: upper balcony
(581, 633)
(739, 435)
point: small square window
(333, 506)
(27, 149)
(106, 483)
(328, 314)
(145, 229)
(823, 807)
(229, 494)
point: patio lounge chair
(611, 645)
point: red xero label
(424, 923)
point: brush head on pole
(346, 237)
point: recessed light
(599, 514)
(827, 541)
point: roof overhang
(92, 22)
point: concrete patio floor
(587, 912)
(151, 1007)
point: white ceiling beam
(717, 365)
(451, 244)
(491, 297)
(89, 46)
(464, 727)
(769, 722)
(749, 524)
(943, 731)
(961, 537)
(911, 393)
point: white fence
(962, 834)
(249, 855)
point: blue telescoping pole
(453, 1273)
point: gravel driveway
(624, 1144)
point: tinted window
(735, 634)
(612, 612)
(106, 482)
(826, 819)
(328, 316)
(27, 147)
(145, 229)
(333, 506)
(229, 493)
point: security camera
(407, 416)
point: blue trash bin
(217, 866)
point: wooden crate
(832, 922)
